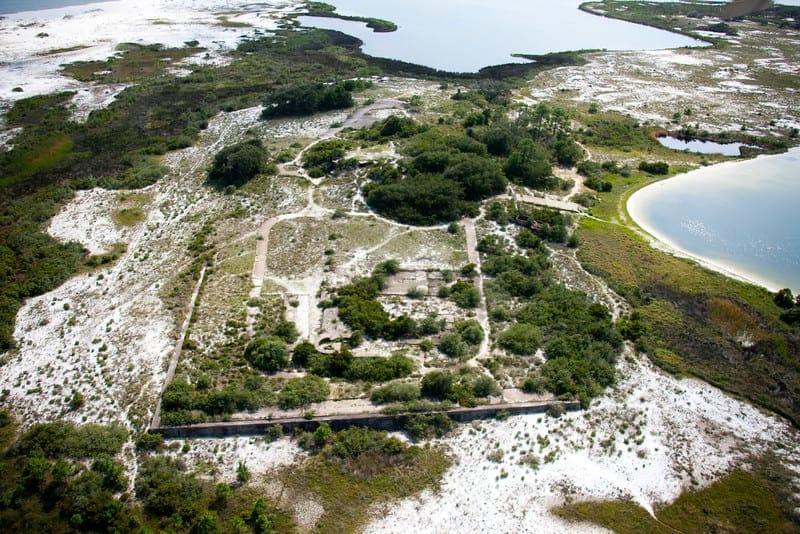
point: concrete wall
(339, 422)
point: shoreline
(633, 206)
(69, 3)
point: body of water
(741, 216)
(16, 6)
(466, 35)
(701, 147)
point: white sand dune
(34, 44)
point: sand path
(482, 311)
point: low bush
(395, 392)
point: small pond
(701, 147)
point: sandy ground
(647, 440)
(722, 92)
(219, 458)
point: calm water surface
(466, 35)
(701, 147)
(742, 216)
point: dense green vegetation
(359, 310)
(450, 169)
(532, 312)
(307, 99)
(321, 9)
(59, 477)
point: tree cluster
(449, 170)
(790, 305)
(307, 99)
(237, 164)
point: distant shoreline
(12, 7)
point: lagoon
(742, 218)
(467, 35)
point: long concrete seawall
(338, 422)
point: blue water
(701, 147)
(466, 35)
(742, 216)
(15, 6)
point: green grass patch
(42, 156)
(99, 261)
(56, 51)
(622, 517)
(349, 490)
(128, 216)
(741, 502)
(225, 22)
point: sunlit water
(466, 35)
(741, 216)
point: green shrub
(427, 426)
(379, 369)
(438, 384)
(307, 99)
(165, 489)
(356, 441)
(395, 392)
(300, 392)
(520, 338)
(485, 386)
(465, 294)
(453, 346)
(302, 353)
(654, 167)
(267, 354)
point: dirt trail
(482, 311)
